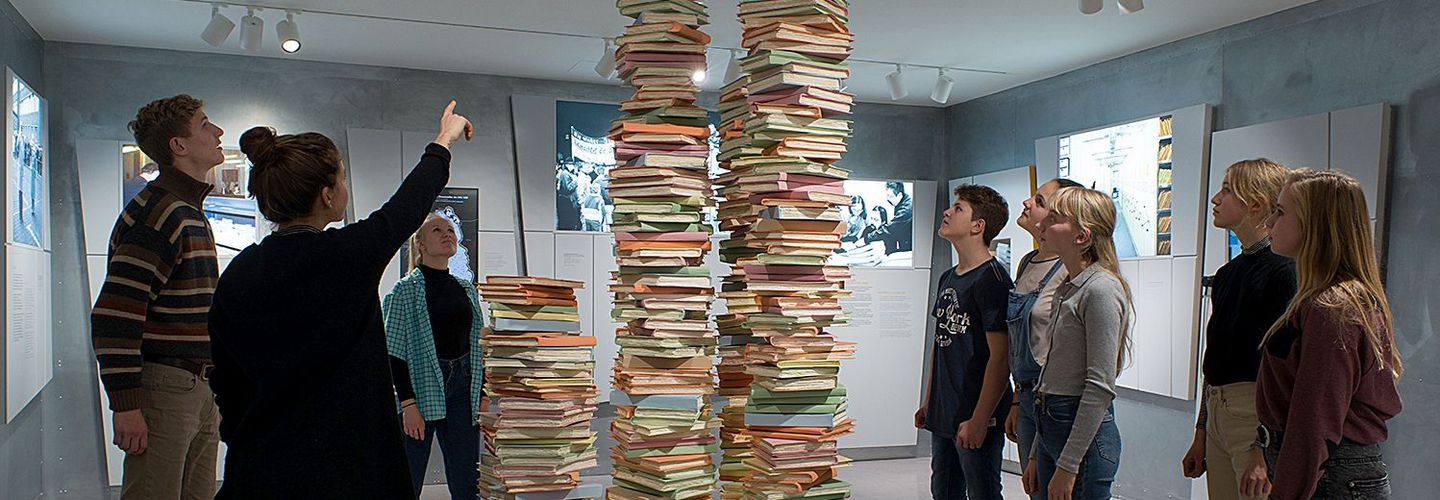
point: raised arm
(378, 236)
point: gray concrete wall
(35, 437)
(1319, 57)
(96, 90)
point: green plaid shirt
(408, 336)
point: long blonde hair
(1093, 211)
(1336, 264)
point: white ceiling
(1027, 39)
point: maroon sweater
(1320, 382)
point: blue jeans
(958, 473)
(1056, 416)
(459, 437)
(1025, 427)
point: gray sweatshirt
(1089, 316)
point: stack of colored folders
(735, 215)
(540, 378)
(662, 291)
(796, 410)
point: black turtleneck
(1251, 292)
(450, 319)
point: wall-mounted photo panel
(880, 225)
(27, 350)
(1131, 163)
(583, 156)
(26, 165)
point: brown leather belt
(200, 368)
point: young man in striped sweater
(149, 325)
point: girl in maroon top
(1329, 368)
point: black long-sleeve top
(301, 374)
(451, 317)
(1251, 292)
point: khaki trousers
(1229, 436)
(181, 454)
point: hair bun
(258, 144)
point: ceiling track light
(606, 66)
(943, 84)
(1091, 7)
(1130, 6)
(288, 33)
(252, 30)
(896, 80)
(219, 27)
(732, 70)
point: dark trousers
(1353, 471)
(459, 437)
(958, 473)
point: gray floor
(904, 479)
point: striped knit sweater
(159, 278)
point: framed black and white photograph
(880, 225)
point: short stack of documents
(664, 372)
(782, 289)
(540, 378)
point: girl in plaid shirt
(432, 325)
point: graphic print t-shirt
(966, 306)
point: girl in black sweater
(301, 374)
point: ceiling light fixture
(732, 70)
(252, 29)
(896, 80)
(1090, 7)
(943, 84)
(288, 33)
(1130, 6)
(606, 66)
(219, 28)
(698, 76)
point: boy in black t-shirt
(969, 393)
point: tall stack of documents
(735, 215)
(664, 372)
(788, 295)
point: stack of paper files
(662, 291)
(735, 215)
(784, 201)
(665, 444)
(540, 377)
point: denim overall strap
(1023, 366)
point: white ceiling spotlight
(288, 33)
(896, 80)
(219, 28)
(1090, 7)
(1130, 6)
(732, 70)
(606, 66)
(252, 29)
(698, 76)
(943, 84)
